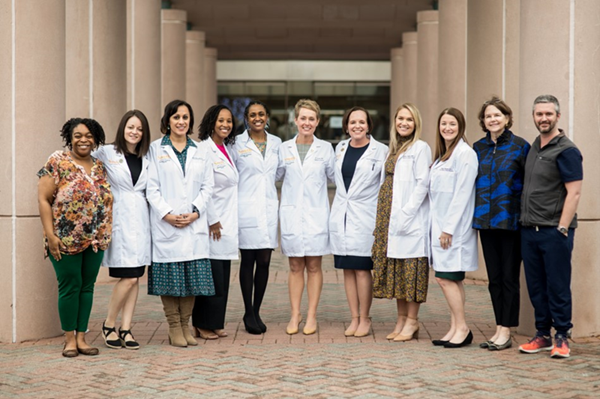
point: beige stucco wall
(173, 55)
(32, 75)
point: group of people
(186, 207)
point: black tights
(251, 280)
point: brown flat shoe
(88, 351)
(69, 352)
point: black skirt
(126, 272)
(353, 262)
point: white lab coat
(304, 210)
(223, 205)
(408, 233)
(131, 240)
(452, 194)
(352, 219)
(257, 194)
(169, 190)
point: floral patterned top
(82, 207)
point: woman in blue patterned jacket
(499, 185)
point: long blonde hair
(397, 148)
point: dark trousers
(502, 254)
(209, 311)
(547, 261)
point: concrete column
(143, 60)
(452, 55)
(427, 75)
(173, 55)
(409, 67)
(492, 57)
(194, 71)
(210, 77)
(396, 89)
(32, 109)
(96, 55)
(559, 41)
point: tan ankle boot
(171, 308)
(186, 306)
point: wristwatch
(563, 230)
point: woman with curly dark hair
(75, 204)
(216, 131)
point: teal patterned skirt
(181, 279)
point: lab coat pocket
(247, 214)
(164, 231)
(288, 224)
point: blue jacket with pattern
(499, 181)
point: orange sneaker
(561, 349)
(537, 344)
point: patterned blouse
(82, 207)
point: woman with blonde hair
(306, 164)
(401, 248)
(453, 240)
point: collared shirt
(181, 156)
(82, 206)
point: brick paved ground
(276, 365)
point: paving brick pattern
(276, 365)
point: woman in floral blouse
(75, 206)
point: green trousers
(76, 275)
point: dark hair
(170, 110)
(346, 119)
(502, 107)
(247, 110)
(94, 127)
(256, 102)
(207, 126)
(441, 152)
(120, 143)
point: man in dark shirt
(551, 191)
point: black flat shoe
(251, 326)
(111, 343)
(439, 342)
(496, 347)
(133, 344)
(466, 342)
(486, 344)
(260, 324)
